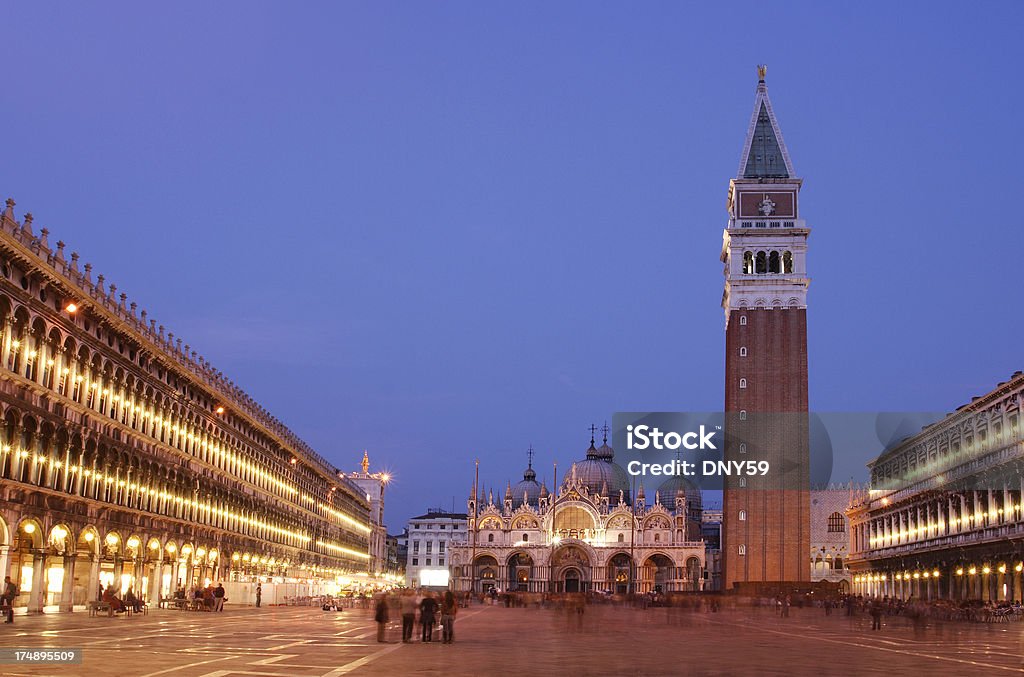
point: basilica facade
(590, 535)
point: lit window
(743, 414)
(743, 515)
(743, 351)
(743, 383)
(743, 320)
(742, 549)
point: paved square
(307, 642)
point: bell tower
(766, 530)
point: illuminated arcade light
(133, 542)
(220, 410)
(59, 533)
(959, 571)
(986, 570)
(89, 536)
(71, 307)
(972, 570)
(111, 539)
(29, 528)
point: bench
(96, 607)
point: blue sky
(442, 231)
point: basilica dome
(598, 472)
(528, 487)
(670, 487)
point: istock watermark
(764, 450)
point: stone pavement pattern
(307, 642)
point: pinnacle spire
(764, 152)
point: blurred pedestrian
(449, 607)
(408, 606)
(381, 616)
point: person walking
(380, 615)
(408, 606)
(428, 607)
(876, 615)
(10, 593)
(449, 607)
(218, 597)
(259, 594)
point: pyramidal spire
(764, 152)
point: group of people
(208, 598)
(430, 608)
(120, 604)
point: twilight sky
(441, 231)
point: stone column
(155, 583)
(67, 587)
(38, 595)
(5, 560)
(94, 578)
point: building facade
(430, 538)
(590, 535)
(373, 485)
(766, 533)
(943, 518)
(128, 460)
(830, 535)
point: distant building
(830, 535)
(373, 485)
(588, 535)
(395, 563)
(429, 541)
(711, 532)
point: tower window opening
(743, 320)
(743, 447)
(743, 351)
(743, 515)
(743, 383)
(761, 263)
(773, 262)
(787, 262)
(742, 549)
(748, 263)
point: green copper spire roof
(764, 153)
(764, 159)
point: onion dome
(670, 488)
(528, 487)
(604, 452)
(600, 474)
